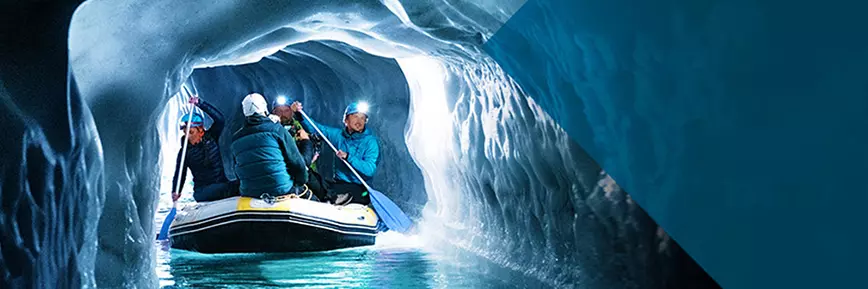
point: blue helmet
(357, 107)
(195, 119)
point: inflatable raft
(243, 224)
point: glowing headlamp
(281, 100)
(363, 107)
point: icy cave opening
(409, 111)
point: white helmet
(254, 103)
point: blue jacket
(267, 160)
(203, 159)
(362, 151)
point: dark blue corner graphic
(741, 127)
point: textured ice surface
(501, 178)
(531, 199)
(741, 126)
(51, 171)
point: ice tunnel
(467, 153)
(479, 163)
(326, 76)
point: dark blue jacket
(203, 159)
(361, 147)
(267, 160)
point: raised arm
(328, 132)
(215, 114)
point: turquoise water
(396, 261)
(367, 267)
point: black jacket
(203, 159)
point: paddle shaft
(389, 213)
(182, 167)
(335, 149)
(163, 230)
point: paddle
(167, 223)
(164, 231)
(389, 213)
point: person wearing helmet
(203, 157)
(309, 146)
(267, 161)
(357, 145)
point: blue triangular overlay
(741, 127)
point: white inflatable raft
(243, 224)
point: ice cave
(496, 156)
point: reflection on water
(368, 267)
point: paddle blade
(389, 213)
(164, 231)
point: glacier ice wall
(51, 175)
(530, 198)
(506, 181)
(741, 126)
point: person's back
(266, 158)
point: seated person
(267, 161)
(308, 146)
(355, 144)
(203, 157)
